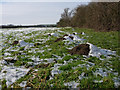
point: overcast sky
(17, 12)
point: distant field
(31, 57)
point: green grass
(105, 40)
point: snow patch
(12, 73)
(23, 43)
(23, 83)
(95, 51)
(54, 34)
(71, 84)
(56, 70)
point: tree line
(102, 16)
(26, 26)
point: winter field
(54, 58)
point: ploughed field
(59, 58)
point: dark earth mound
(82, 49)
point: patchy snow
(3, 62)
(95, 51)
(82, 76)
(23, 83)
(8, 58)
(7, 54)
(98, 81)
(12, 73)
(100, 72)
(50, 60)
(116, 81)
(76, 38)
(23, 43)
(55, 69)
(68, 39)
(71, 84)
(27, 30)
(41, 51)
(57, 57)
(54, 34)
(85, 65)
(75, 33)
(83, 33)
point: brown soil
(15, 42)
(82, 49)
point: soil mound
(82, 49)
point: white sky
(45, 0)
(34, 12)
(59, 0)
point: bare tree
(97, 15)
(66, 17)
(67, 14)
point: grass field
(48, 64)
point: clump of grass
(0, 68)
(60, 61)
(22, 60)
(4, 84)
(70, 65)
(67, 58)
